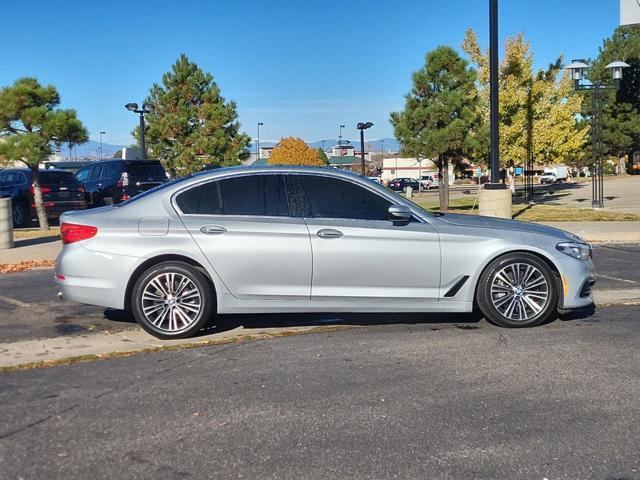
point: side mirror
(399, 214)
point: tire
(518, 290)
(20, 215)
(172, 300)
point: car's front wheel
(518, 290)
(172, 300)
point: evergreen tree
(621, 112)
(31, 126)
(323, 156)
(440, 113)
(191, 125)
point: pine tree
(191, 125)
(440, 113)
(31, 125)
(621, 112)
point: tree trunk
(443, 191)
(37, 199)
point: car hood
(506, 224)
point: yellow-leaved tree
(293, 151)
(538, 112)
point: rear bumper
(94, 278)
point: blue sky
(301, 67)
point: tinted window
(146, 169)
(111, 170)
(96, 170)
(12, 178)
(53, 178)
(327, 197)
(262, 195)
(83, 174)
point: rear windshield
(57, 177)
(145, 169)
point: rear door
(243, 226)
(357, 253)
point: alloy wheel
(519, 291)
(171, 302)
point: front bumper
(578, 277)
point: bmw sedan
(300, 239)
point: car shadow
(36, 241)
(463, 321)
(224, 323)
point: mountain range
(91, 148)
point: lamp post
(362, 127)
(340, 135)
(258, 142)
(577, 68)
(101, 134)
(133, 107)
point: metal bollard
(6, 223)
(409, 192)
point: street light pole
(101, 134)
(494, 151)
(577, 68)
(340, 135)
(362, 127)
(258, 142)
(133, 107)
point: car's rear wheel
(518, 290)
(20, 214)
(172, 300)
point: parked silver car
(298, 239)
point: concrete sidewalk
(602, 232)
(32, 249)
(131, 341)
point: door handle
(213, 230)
(330, 233)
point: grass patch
(161, 348)
(26, 233)
(539, 212)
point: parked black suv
(108, 182)
(60, 192)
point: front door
(357, 253)
(243, 227)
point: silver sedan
(298, 239)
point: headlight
(581, 251)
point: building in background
(630, 12)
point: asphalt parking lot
(384, 401)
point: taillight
(81, 189)
(43, 190)
(71, 232)
(124, 180)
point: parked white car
(429, 181)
